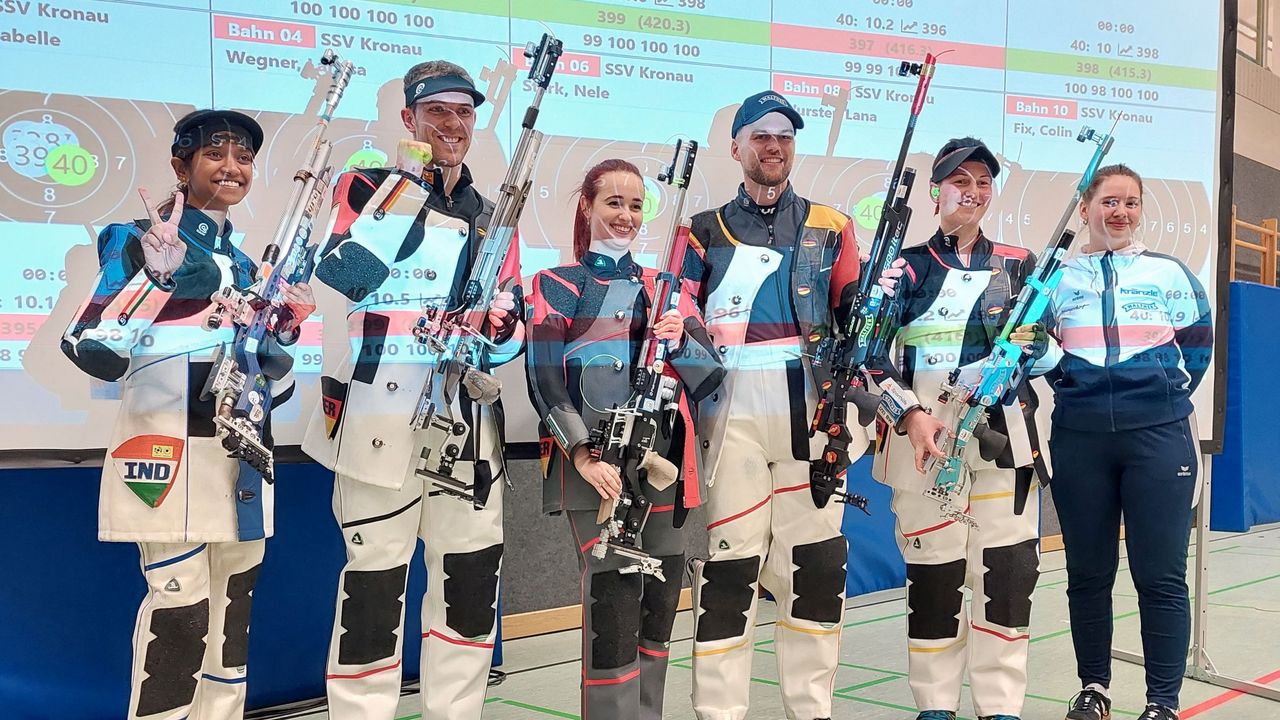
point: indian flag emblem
(149, 464)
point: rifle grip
(866, 403)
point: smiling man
(401, 238)
(771, 268)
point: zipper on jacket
(1110, 331)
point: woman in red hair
(588, 323)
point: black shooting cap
(427, 87)
(761, 104)
(195, 130)
(958, 151)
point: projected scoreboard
(92, 89)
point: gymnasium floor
(1244, 642)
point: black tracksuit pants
(1148, 475)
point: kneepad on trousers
(471, 590)
(819, 580)
(934, 596)
(725, 597)
(1010, 578)
(174, 657)
(371, 614)
(235, 648)
(659, 600)
(614, 622)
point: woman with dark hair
(1137, 334)
(587, 323)
(167, 482)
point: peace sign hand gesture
(162, 249)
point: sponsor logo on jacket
(1139, 306)
(1145, 293)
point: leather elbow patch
(1008, 580)
(174, 658)
(614, 620)
(96, 359)
(934, 596)
(471, 591)
(371, 614)
(727, 592)
(352, 271)
(819, 580)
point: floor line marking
(1226, 697)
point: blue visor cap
(445, 83)
(761, 104)
(959, 151)
(198, 129)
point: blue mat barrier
(69, 601)
(1246, 478)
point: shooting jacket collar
(785, 199)
(605, 268)
(944, 248)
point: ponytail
(586, 195)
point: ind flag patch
(149, 465)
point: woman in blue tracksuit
(1137, 335)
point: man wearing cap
(771, 270)
(199, 518)
(956, 293)
(399, 238)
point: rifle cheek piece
(991, 443)
(895, 403)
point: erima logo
(1184, 471)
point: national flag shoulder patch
(333, 395)
(148, 464)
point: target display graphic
(85, 120)
(74, 160)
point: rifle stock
(1003, 371)
(864, 338)
(455, 336)
(626, 438)
(239, 377)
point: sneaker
(936, 715)
(1158, 712)
(1089, 705)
